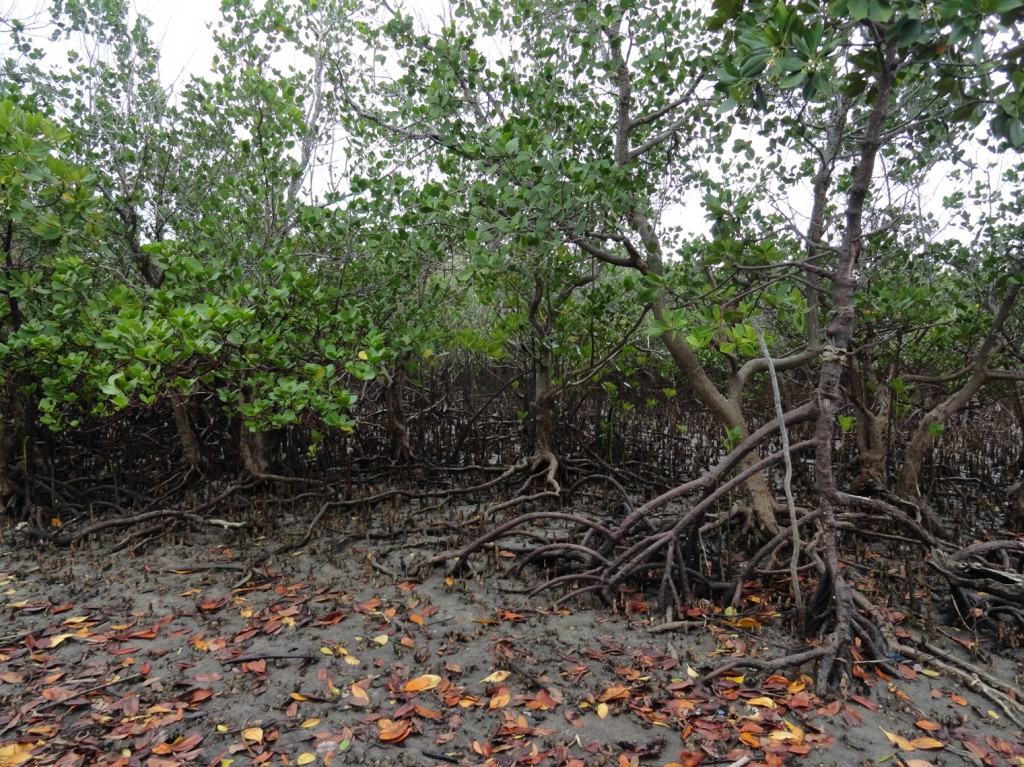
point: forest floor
(184, 655)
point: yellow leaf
(420, 683)
(222, 728)
(363, 356)
(298, 696)
(602, 710)
(496, 677)
(351, 660)
(326, 651)
(310, 723)
(15, 753)
(381, 639)
(899, 741)
(927, 744)
(306, 758)
(762, 702)
(54, 641)
(253, 734)
(992, 714)
(736, 679)
(929, 672)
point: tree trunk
(12, 435)
(931, 425)
(873, 403)
(253, 446)
(191, 450)
(543, 412)
(401, 449)
(838, 338)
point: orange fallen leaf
(927, 744)
(421, 683)
(762, 702)
(499, 700)
(253, 734)
(615, 692)
(394, 731)
(691, 758)
(359, 696)
(750, 739)
(930, 726)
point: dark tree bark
(838, 338)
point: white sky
(179, 29)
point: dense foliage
(793, 213)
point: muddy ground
(184, 654)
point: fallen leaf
(496, 678)
(763, 702)
(306, 758)
(602, 710)
(421, 683)
(12, 754)
(925, 724)
(899, 741)
(615, 692)
(360, 698)
(927, 744)
(691, 758)
(310, 723)
(868, 704)
(500, 699)
(394, 731)
(253, 734)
